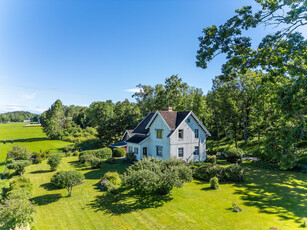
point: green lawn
(32, 138)
(267, 198)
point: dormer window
(180, 133)
(159, 133)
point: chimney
(169, 109)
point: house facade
(168, 134)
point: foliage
(235, 207)
(102, 154)
(130, 157)
(110, 182)
(207, 171)
(234, 155)
(272, 101)
(17, 212)
(111, 160)
(54, 161)
(69, 148)
(150, 176)
(211, 159)
(18, 153)
(214, 183)
(18, 166)
(17, 116)
(53, 121)
(234, 173)
(93, 161)
(67, 179)
(119, 152)
(16, 209)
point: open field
(268, 198)
(32, 138)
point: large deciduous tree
(53, 120)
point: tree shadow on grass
(27, 139)
(46, 199)
(127, 202)
(282, 193)
(48, 186)
(40, 171)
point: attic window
(159, 133)
(180, 133)
(188, 120)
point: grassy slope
(267, 198)
(31, 137)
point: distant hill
(17, 116)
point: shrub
(102, 154)
(18, 153)
(76, 153)
(214, 183)
(110, 182)
(54, 161)
(155, 176)
(236, 208)
(234, 155)
(19, 166)
(67, 179)
(112, 161)
(130, 157)
(37, 158)
(17, 212)
(211, 159)
(234, 173)
(69, 148)
(94, 162)
(119, 152)
(207, 171)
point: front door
(144, 152)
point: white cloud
(135, 90)
(29, 96)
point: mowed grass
(32, 138)
(267, 198)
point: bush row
(207, 171)
(95, 157)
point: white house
(167, 134)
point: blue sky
(85, 51)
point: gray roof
(137, 138)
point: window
(180, 152)
(159, 151)
(130, 149)
(196, 132)
(159, 133)
(188, 120)
(136, 150)
(180, 133)
(196, 150)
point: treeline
(17, 116)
